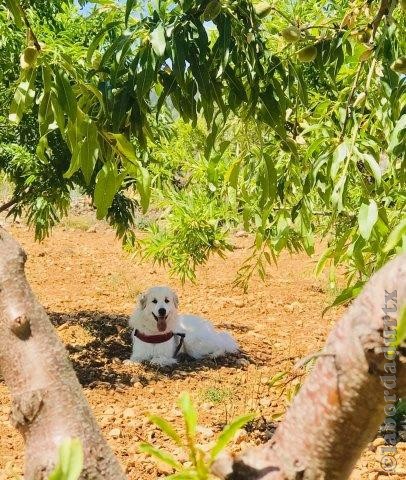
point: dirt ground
(88, 286)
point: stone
(115, 433)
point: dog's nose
(162, 312)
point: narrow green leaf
(128, 7)
(108, 181)
(323, 260)
(167, 428)
(158, 40)
(15, 9)
(160, 455)
(89, 150)
(189, 415)
(212, 10)
(232, 173)
(346, 295)
(339, 155)
(395, 138)
(125, 147)
(367, 217)
(65, 94)
(373, 167)
(74, 162)
(23, 96)
(144, 188)
(70, 462)
(275, 379)
(396, 236)
(57, 111)
(228, 433)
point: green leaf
(70, 461)
(108, 181)
(232, 173)
(23, 96)
(98, 38)
(160, 455)
(57, 111)
(367, 217)
(125, 147)
(228, 433)
(46, 115)
(65, 94)
(395, 140)
(146, 75)
(212, 10)
(189, 415)
(167, 428)
(128, 7)
(158, 40)
(15, 9)
(144, 188)
(339, 155)
(275, 379)
(396, 236)
(74, 162)
(373, 167)
(346, 295)
(323, 260)
(89, 150)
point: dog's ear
(175, 299)
(143, 300)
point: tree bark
(342, 404)
(48, 405)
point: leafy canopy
(288, 118)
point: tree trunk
(342, 403)
(48, 405)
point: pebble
(115, 433)
(109, 410)
(129, 413)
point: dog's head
(159, 305)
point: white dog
(159, 333)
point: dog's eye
(167, 300)
(154, 300)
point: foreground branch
(48, 405)
(341, 405)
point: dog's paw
(163, 361)
(136, 359)
(216, 354)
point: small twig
(28, 25)
(383, 11)
(283, 15)
(7, 205)
(349, 101)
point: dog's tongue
(161, 324)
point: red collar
(160, 338)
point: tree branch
(343, 399)
(48, 403)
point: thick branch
(341, 405)
(48, 403)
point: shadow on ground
(98, 343)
